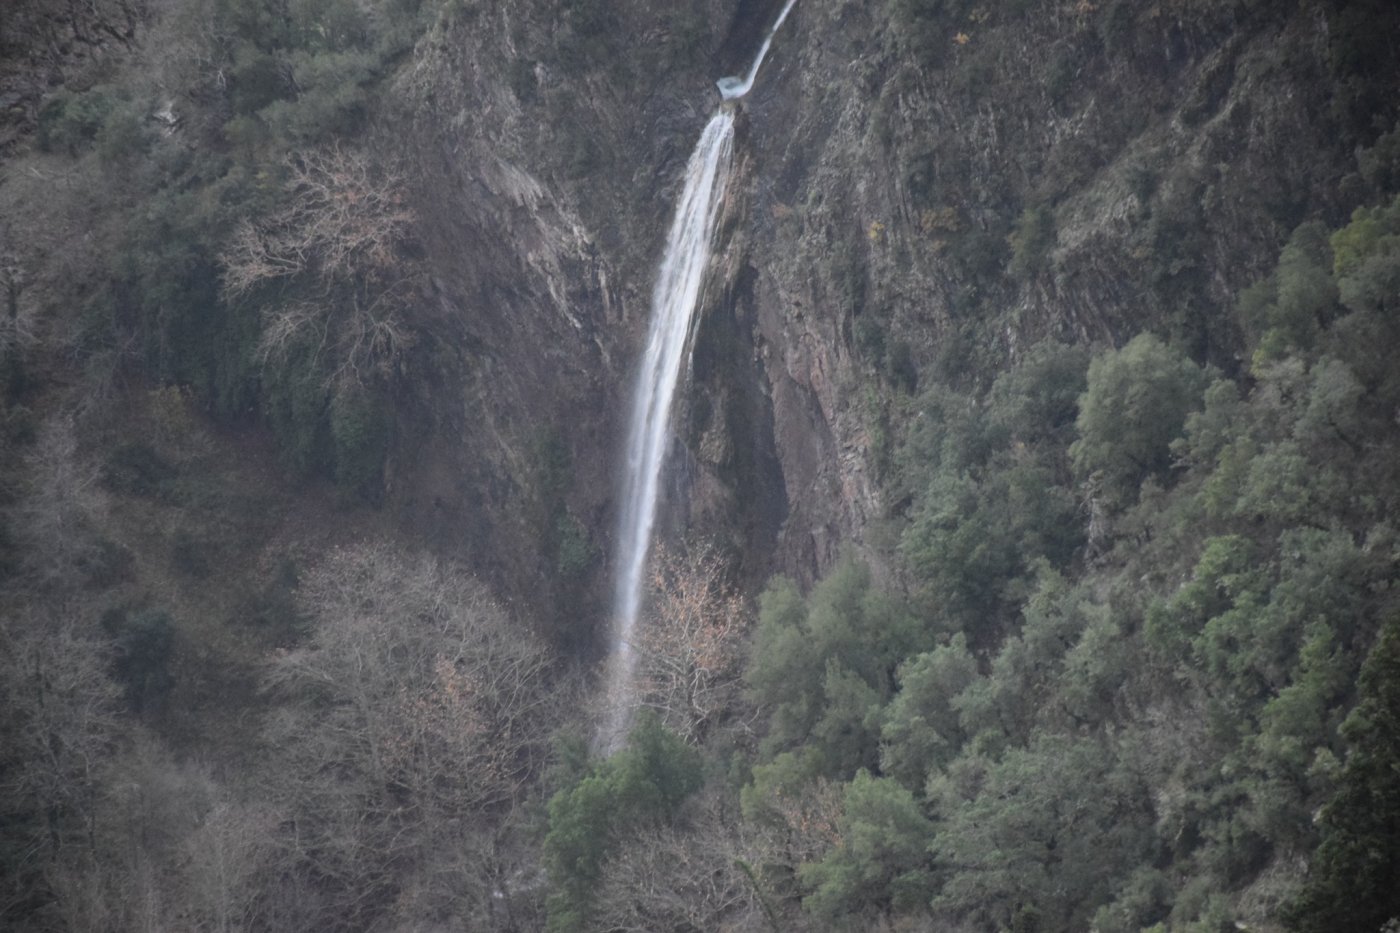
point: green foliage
(1031, 240)
(961, 545)
(1357, 49)
(971, 541)
(1305, 296)
(1244, 570)
(642, 785)
(168, 293)
(1366, 262)
(359, 429)
(990, 488)
(1223, 575)
(1379, 164)
(564, 539)
(870, 338)
(256, 81)
(296, 404)
(332, 97)
(1351, 883)
(881, 858)
(1036, 401)
(922, 730)
(1064, 665)
(575, 548)
(589, 43)
(71, 122)
(776, 782)
(1057, 826)
(1135, 404)
(144, 643)
(924, 27)
(903, 374)
(823, 667)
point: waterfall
(673, 301)
(732, 88)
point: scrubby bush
(640, 786)
(1134, 406)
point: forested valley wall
(1028, 549)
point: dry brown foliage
(343, 226)
(413, 722)
(341, 219)
(689, 647)
(681, 878)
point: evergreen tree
(1355, 878)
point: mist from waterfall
(673, 302)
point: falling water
(732, 87)
(673, 301)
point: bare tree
(56, 520)
(689, 876)
(343, 226)
(690, 642)
(341, 220)
(416, 718)
(808, 822)
(18, 333)
(225, 857)
(58, 730)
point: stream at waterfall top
(732, 88)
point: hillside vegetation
(1030, 553)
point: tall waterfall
(673, 301)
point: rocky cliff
(924, 188)
(1044, 368)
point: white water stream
(674, 298)
(733, 88)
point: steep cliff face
(932, 187)
(300, 297)
(546, 152)
(922, 188)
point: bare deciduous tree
(689, 646)
(681, 877)
(56, 520)
(232, 846)
(341, 219)
(343, 225)
(58, 730)
(809, 822)
(415, 719)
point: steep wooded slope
(283, 276)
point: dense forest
(1029, 552)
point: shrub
(1030, 242)
(1135, 405)
(641, 785)
(359, 426)
(144, 643)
